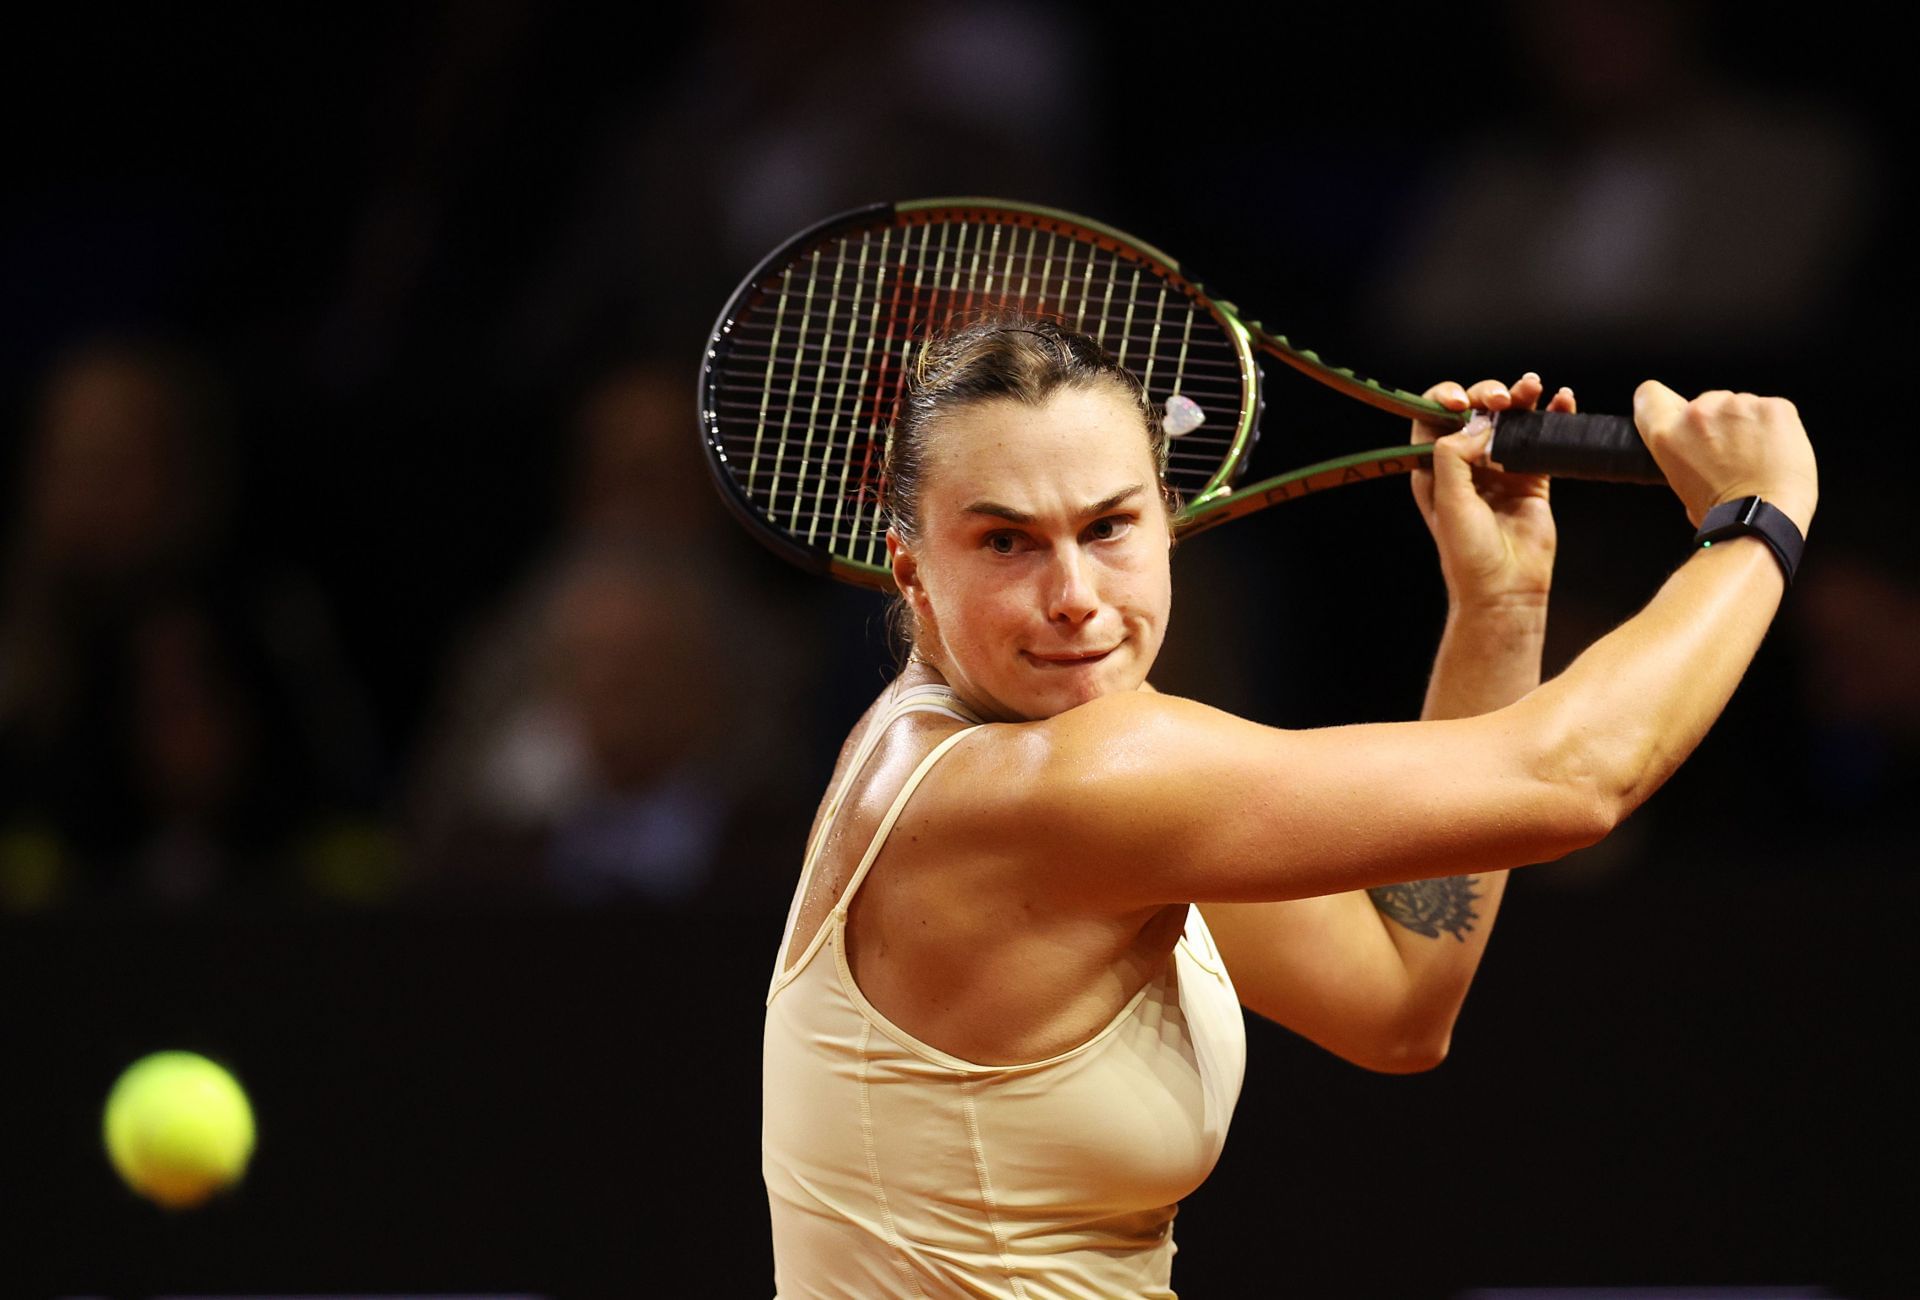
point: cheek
(994, 612)
(970, 607)
(1147, 579)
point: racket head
(808, 360)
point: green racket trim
(1371, 391)
(1381, 462)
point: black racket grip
(1604, 447)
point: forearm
(1488, 658)
(1440, 929)
(1628, 711)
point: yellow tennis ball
(178, 1128)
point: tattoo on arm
(1429, 907)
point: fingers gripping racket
(808, 359)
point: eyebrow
(1013, 516)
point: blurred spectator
(174, 722)
(1648, 200)
(636, 473)
(830, 106)
(598, 739)
(751, 119)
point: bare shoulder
(1064, 794)
(843, 776)
(1140, 717)
(1103, 742)
(1125, 747)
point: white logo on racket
(1183, 415)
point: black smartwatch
(1752, 515)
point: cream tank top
(894, 1169)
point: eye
(1002, 543)
(1112, 528)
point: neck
(924, 669)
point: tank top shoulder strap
(929, 697)
(898, 806)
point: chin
(1058, 697)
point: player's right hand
(1724, 446)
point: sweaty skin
(1039, 876)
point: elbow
(1412, 1060)
(1592, 814)
(1584, 799)
(1419, 1062)
(1568, 818)
(1408, 1054)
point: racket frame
(1215, 502)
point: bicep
(1158, 800)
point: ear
(906, 572)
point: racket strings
(817, 358)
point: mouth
(1076, 659)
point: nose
(1071, 598)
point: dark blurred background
(387, 708)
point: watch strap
(1754, 516)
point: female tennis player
(1003, 1037)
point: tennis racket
(811, 354)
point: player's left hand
(1494, 530)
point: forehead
(1081, 442)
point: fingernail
(1534, 375)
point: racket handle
(1605, 447)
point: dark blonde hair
(1018, 358)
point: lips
(1069, 660)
